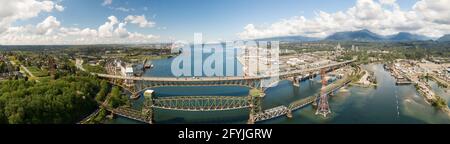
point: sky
(24, 22)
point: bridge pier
(314, 103)
(135, 95)
(311, 76)
(295, 81)
(147, 110)
(289, 113)
(251, 119)
(255, 102)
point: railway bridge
(217, 103)
(139, 84)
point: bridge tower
(289, 113)
(255, 102)
(323, 107)
(295, 81)
(147, 110)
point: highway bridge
(140, 84)
(217, 103)
(298, 104)
(220, 103)
(201, 103)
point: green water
(387, 103)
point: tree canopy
(65, 100)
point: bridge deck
(283, 110)
(201, 103)
(129, 113)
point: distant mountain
(361, 35)
(289, 39)
(404, 36)
(445, 38)
(366, 35)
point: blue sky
(216, 19)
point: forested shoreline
(65, 100)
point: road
(26, 70)
(79, 64)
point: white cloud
(87, 32)
(124, 9)
(428, 17)
(437, 11)
(161, 28)
(12, 10)
(50, 31)
(106, 2)
(59, 7)
(140, 37)
(121, 31)
(388, 2)
(106, 30)
(47, 26)
(140, 20)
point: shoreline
(424, 90)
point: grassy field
(14, 60)
(38, 72)
(95, 69)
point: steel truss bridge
(131, 114)
(139, 84)
(201, 103)
(287, 110)
(217, 103)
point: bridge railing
(270, 113)
(201, 103)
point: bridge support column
(289, 113)
(251, 119)
(314, 103)
(134, 95)
(255, 101)
(295, 81)
(311, 75)
(147, 110)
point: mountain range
(289, 39)
(445, 38)
(360, 35)
(366, 35)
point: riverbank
(365, 79)
(440, 81)
(405, 71)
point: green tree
(117, 99)
(65, 100)
(104, 88)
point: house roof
(129, 70)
